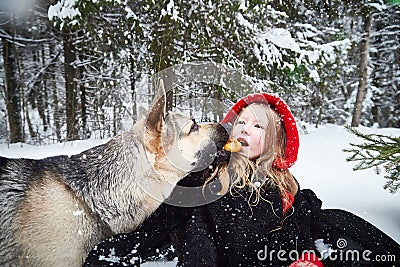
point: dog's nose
(221, 135)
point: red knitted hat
(276, 103)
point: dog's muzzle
(221, 155)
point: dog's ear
(158, 110)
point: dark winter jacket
(230, 232)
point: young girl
(260, 217)
(264, 219)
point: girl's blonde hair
(253, 174)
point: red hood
(289, 123)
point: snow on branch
(64, 9)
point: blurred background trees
(79, 69)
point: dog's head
(179, 142)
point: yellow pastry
(233, 145)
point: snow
(282, 38)
(38, 152)
(63, 9)
(321, 166)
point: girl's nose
(243, 130)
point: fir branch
(378, 151)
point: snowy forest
(78, 69)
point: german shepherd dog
(55, 210)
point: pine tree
(378, 151)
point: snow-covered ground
(321, 166)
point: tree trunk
(218, 112)
(163, 50)
(12, 92)
(57, 112)
(133, 79)
(70, 86)
(46, 116)
(32, 131)
(84, 115)
(363, 72)
(40, 91)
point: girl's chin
(246, 153)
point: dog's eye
(194, 127)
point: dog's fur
(54, 211)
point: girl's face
(249, 130)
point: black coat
(228, 232)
